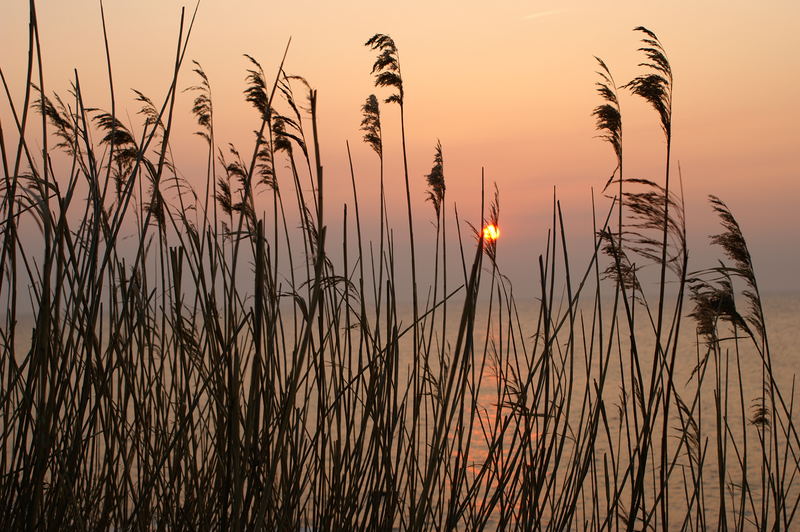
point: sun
(491, 232)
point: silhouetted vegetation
(222, 370)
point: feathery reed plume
(203, 110)
(234, 170)
(734, 246)
(286, 130)
(649, 213)
(387, 66)
(61, 119)
(714, 301)
(373, 137)
(608, 116)
(156, 207)
(223, 195)
(202, 107)
(493, 221)
(256, 92)
(125, 149)
(282, 140)
(713, 288)
(761, 415)
(387, 74)
(622, 270)
(435, 180)
(115, 132)
(152, 116)
(264, 166)
(259, 96)
(655, 87)
(371, 124)
(731, 240)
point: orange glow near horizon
(491, 232)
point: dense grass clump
(223, 369)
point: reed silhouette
(200, 359)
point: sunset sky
(508, 86)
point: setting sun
(491, 232)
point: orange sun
(491, 232)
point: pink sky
(505, 85)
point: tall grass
(220, 370)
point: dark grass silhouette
(180, 379)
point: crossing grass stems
(220, 370)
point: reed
(208, 358)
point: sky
(506, 86)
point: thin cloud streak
(542, 14)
